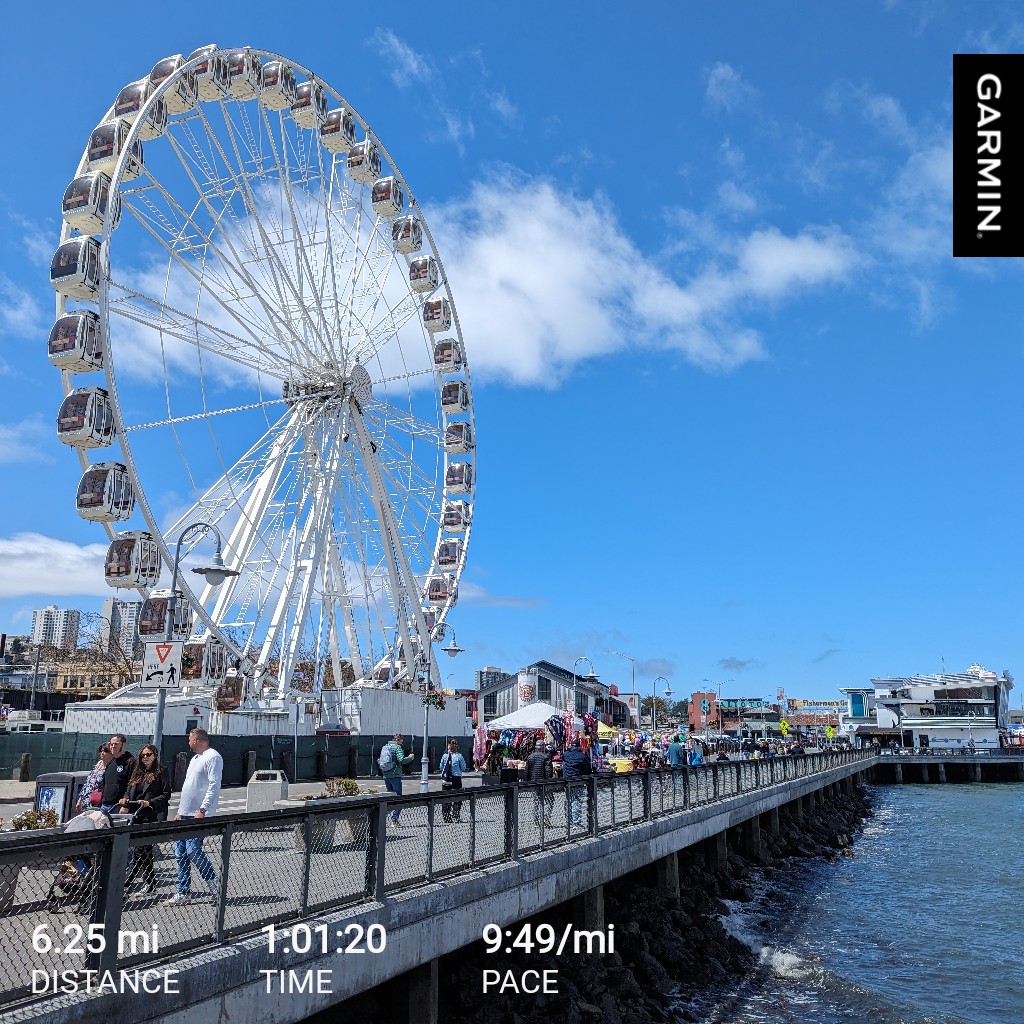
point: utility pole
(35, 675)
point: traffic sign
(705, 705)
(830, 732)
(783, 726)
(161, 664)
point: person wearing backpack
(391, 760)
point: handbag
(446, 773)
(96, 797)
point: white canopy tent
(532, 716)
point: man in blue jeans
(199, 796)
(576, 765)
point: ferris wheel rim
(166, 540)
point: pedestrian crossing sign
(161, 664)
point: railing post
(307, 827)
(648, 803)
(739, 776)
(714, 781)
(592, 804)
(110, 899)
(375, 854)
(685, 769)
(757, 773)
(511, 820)
(225, 874)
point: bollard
(180, 768)
(248, 765)
(353, 763)
(25, 770)
(288, 764)
(321, 765)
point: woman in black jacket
(148, 794)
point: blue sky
(740, 414)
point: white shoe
(179, 899)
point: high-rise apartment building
(488, 676)
(56, 627)
(119, 627)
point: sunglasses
(147, 755)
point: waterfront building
(88, 677)
(119, 627)
(858, 722)
(551, 684)
(56, 627)
(948, 710)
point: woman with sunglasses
(148, 794)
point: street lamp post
(632, 680)
(435, 634)
(718, 702)
(590, 675)
(654, 700)
(215, 574)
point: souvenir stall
(512, 738)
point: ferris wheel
(247, 266)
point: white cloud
(39, 244)
(36, 564)
(19, 442)
(19, 311)
(544, 279)
(727, 89)
(504, 107)
(407, 66)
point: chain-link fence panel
(452, 845)
(48, 897)
(340, 871)
(189, 882)
(490, 828)
(407, 853)
(265, 873)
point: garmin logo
(988, 190)
(990, 143)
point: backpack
(386, 761)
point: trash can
(264, 788)
(59, 791)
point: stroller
(76, 879)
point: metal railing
(95, 901)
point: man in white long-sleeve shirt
(199, 796)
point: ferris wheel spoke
(222, 290)
(166, 319)
(274, 321)
(388, 327)
(204, 415)
(278, 269)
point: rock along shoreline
(667, 949)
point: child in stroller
(76, 879)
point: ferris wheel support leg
(339, 584)
(246, 532)
(313, 553)
(406, 599)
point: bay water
(924, 925)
